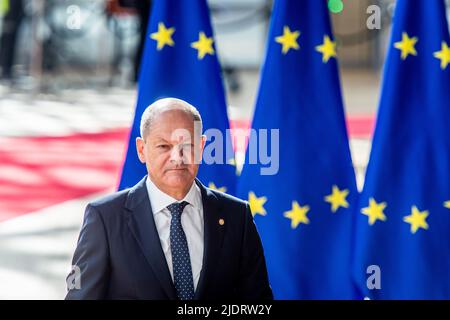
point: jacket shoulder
(114, 200)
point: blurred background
(67, 96)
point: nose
(176, 155)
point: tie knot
(177, 208)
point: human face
(172, 152)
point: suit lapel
(213, 237)
(143, 228)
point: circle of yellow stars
(164, 37)
(298, 213)
(328, 49)
(375, 211)
(416, 219)
(337, 198)
(443, 55)
(256, 204)
(407, 47)
(204, 45)
(289, 41)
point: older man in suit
(169, 237)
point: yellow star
(337, 199)
(374, 211)
(288, 40)
(417, 219)
(443, 55)
(407, 45)
(214, 187)
(163, 36)
(328, 49)
(204, 45)
(297, 214)
(256, 204)
(447, 204)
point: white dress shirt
(191, 220)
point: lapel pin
(221, 222)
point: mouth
(177, 169)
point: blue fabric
(177, 71)
(409, 166)
(300, 95)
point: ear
(203, 142)
(199, 145)
(202, 147)
(140, 144)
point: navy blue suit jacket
(119, 253)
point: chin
(179, 181)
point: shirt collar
(160, 200)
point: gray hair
(162, 105)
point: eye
(188, 146)
(162, 146)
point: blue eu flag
(402, 245)
(303, 210)
(180, 60)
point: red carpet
(361, 126)
(358, 126)
(37, 172)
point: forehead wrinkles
(172, 135)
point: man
(169, 237)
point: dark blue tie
(182, 270)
